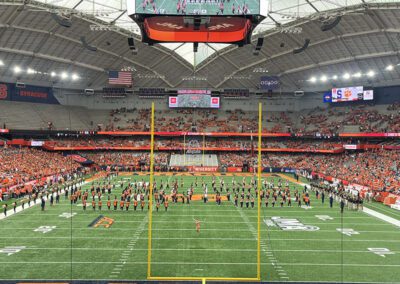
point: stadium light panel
(324, 78)
(64, 75)
(30, 71)
(53, 74)
(346, 76)
(17, 69)
(371, 73)
(357, 75)
(1, 63)
(334, 77)
(389, 67)
(75, 77)
(313, 79)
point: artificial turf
(226, 245)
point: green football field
(204, 7)
(53, 245)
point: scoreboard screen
(196, 7)
(194, 101)
(347, 94)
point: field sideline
(67, 248)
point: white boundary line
(382, 217)
(201, 263)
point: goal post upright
(259, 192)
(209, 278)
(149, 241)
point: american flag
(119, 78)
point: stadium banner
(81, 160)
(351, 147)
(27, 93)
(19, 142)
(234, 169)
(202, 169)
(269, 83)
(5, 91)
(215, 134)
(51, 147)
(378, 134)
(37, 143)
(279, 170)
(4, 130)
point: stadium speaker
(86, 45)
(282, 45)
(330, 25)
(304, 47)
(89, 92)
(20, 85)
(260, 42)
(299, 93)
(132, 47)
(195, 46)
(62, 22)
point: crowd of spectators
(132, 161)
(20, 165)
(180, 143)
(318, 120)
(379, 169)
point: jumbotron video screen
(194, 101)
(198, 7)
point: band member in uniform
(166, 204)
(197, 222)
(115, 203)
(158, 204)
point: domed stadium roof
(366, 36)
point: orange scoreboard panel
(197, 21)
(218, 30)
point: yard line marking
(132, 243)
(263, 244)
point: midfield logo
(102, 221)
(292, 225)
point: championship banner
(269, 83)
